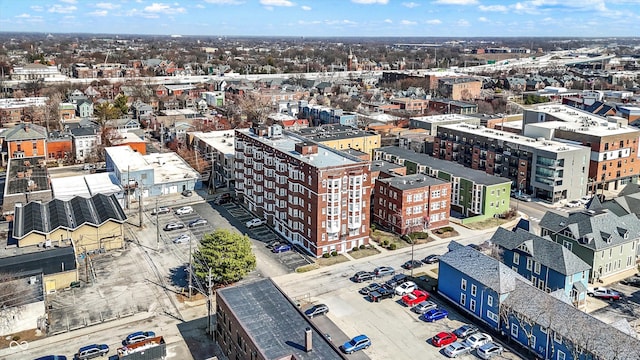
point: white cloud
(62, 9)
(200, 6)
(69, 1)
(410, 5)
(463, 23)
(408, 22)
(367, 2)
(37, 8)
(388, 21)
(434, 22)
(483, 19)
(276, 3)
(23, 16)
(305, 7)
(107, 6)
(163, 9)
(224, 2)
(493, 8)
(99, 13)
(456, 2)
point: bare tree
(253, 108)
(15, 293)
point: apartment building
(613, 144)
(312, 195)
(217, 147)
(32, 72)
(320, 115)
(17, 110)
(549, 170)
(459, 88)
(407, 204)
(431, 123)
(411, 105)
(342, 137)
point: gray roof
(276, 326)
(455, 169)
(25, 131)
(49, 261)
(409, 182)
(546, 252)
(486, 270)
(600, 229)
(574, 325)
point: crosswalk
(561, 209)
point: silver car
(423, 307)
(489, 350)
(457, 348)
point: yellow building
(342, 137)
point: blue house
(545, 324)
(549, 265)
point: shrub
(419, 235)
(362, 247)
(326, 255)
(334, 253)
(15, 338)
(373, 228)
(392, 246)
(355, 248)
(384, 243)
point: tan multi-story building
(312, 195)
(412, 105)
(613, 144)
(412, 203)
(460, 88)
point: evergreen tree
(227, 253)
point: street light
(519, 193)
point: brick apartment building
(459, 88)
(412, 203)
(312, 195)
(613, 144)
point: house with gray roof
(549, 265)
(606, 241)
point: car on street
(316, 310)
(357, 343)
(53, 357)
(465, 330)
(198, 222)
(173, 226)
(161, 210)
(632, 281)
(520, 196)
(585, 199)
(443, 338)
(187, 192)
(382, 293)
(415, 297)
(603, 293)
(184, 210)
(405, 288)
(384, 271)
(434, 315)
(412, 264)
(281, 248)
(423, 307)
(361, 276)
(92, 351)
(489, 350)
(478, 339)
(138, 336)
(223, 199)
(457, 348)
(369, 288)
(574, 204)
(396, 280)
(431, 259)
(255, 222)
(182, 239)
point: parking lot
(628, 307)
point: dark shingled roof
(49, 261)
(47, 217)
(277, 327)
(546, 252)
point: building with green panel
(474, 193)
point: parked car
(223, 199)
(53, 357)
(405, 288)
(574, 204)
(489, 350)
(281, 248)
(457, 348)
(382, 293)
(434, 315)
(423, 307)
(585, 199)
(632, 281)
(255, 222)
(412, 264)
(520, 196)
(465, 330)
(603, 293)
(315, 310)
(88, 167)
(361, 276)
(478, 339)
(384, 271)
(396, 280)
(138, 336)
(173, 226)
(369, 288)
(187, 192)
(443, 338)
(184, 210)
(92, 351)
(161, 210)
(182, 239)
(198, 222)
(415, 297)
(431, 259)
(273, 243)
(357, 343)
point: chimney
(26, 127)
(308, 345)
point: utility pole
(140, 205)
(157, 227)
(190, 269)
(128, 184)
(209, 302)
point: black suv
(361, 276)
(396, 280)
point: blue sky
(594, 18)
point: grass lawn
(486, 224)
(364, 253)
(381, 235)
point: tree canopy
(227, 253)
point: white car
(478, 339)
(405, 288)
(574, 204)
(489, 350)
(184, 210)
(255, 222)
(457, 348)
(585, 199)
(182, 239)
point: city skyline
(331, 18)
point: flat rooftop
(170, 167)
(66, 188)
(221, 140)
(126, 158)
(409, 182)
(332, 132)
(443, 118)
(26, 174)
(548, 145)
(580, 121)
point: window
(561, 355)
(463, 284)
(463, 299)
(474, 290)
(529, 264)
(557, 338)
(516, 258)
(537, 268)
(514, 330)
(493, 316)
(490, 300)
(532, 341)
(472, 305)
(568, 245)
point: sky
(327, 18)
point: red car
(415, 297)
(444, 339)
